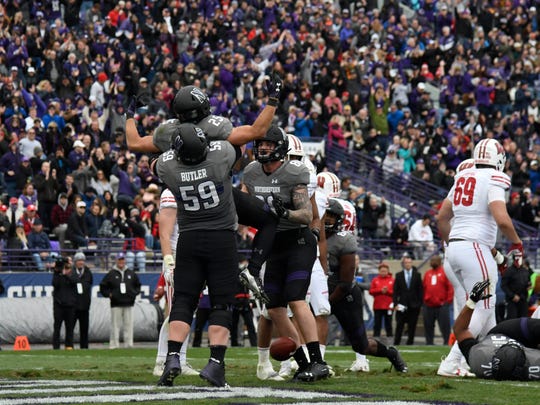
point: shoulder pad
(499, 179)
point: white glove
(168, 271)
(400, 308)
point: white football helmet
(490, 152)
(466, 164)
(329, 183)
(295, 147)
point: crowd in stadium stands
(362, 77)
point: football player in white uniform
(330, 184)
(468, 220)
(168, 236)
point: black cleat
(396, 360)
(314, 372)
(214, 373)
(172, 369)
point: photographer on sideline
(64, 298)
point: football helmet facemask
(335, 211)
(276, 135)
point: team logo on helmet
(490, 152)
(198, 94)
(329, 183)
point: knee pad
(221, 315)
(183, 308)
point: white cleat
(188, 370)
(453, 369)
(158, 368)
(266, 372)
(360, 366)
(285, 370)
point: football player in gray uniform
(346, 298)
(510, 350)
(192, 105)
(283, 184)
(198, 173)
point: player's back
(337, 245)
(214, 127)
(470, 196)
(203, 191)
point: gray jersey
(480, 355)
(215, 128)
(337, 245)
(281, 182)
(203, 192)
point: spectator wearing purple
(10, 164)
(77, 155)
(454, 155)
(129, 183)
(17, 52)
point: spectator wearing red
(59, 218)
(28, 217)
(382, 290)
(438, 296)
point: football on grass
(282, 348)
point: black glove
(273, 89)
(132, 108)
(141, 101)
(478, 291)
(279, 206)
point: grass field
(124, 375)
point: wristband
(272, 101)
(470, 304)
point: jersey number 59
(204, 196)
(464, 191)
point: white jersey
(349, 223)
(312, 186)
(321, 200)
(471, 194)
(167, 200)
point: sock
(183, 351)
(314, 352)
(382, 350)
(455, 354)
(264, 355)
(301, 358)
(322, 348)
(361, 357)
(217, 353)
(173, 346)
(286, 363)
